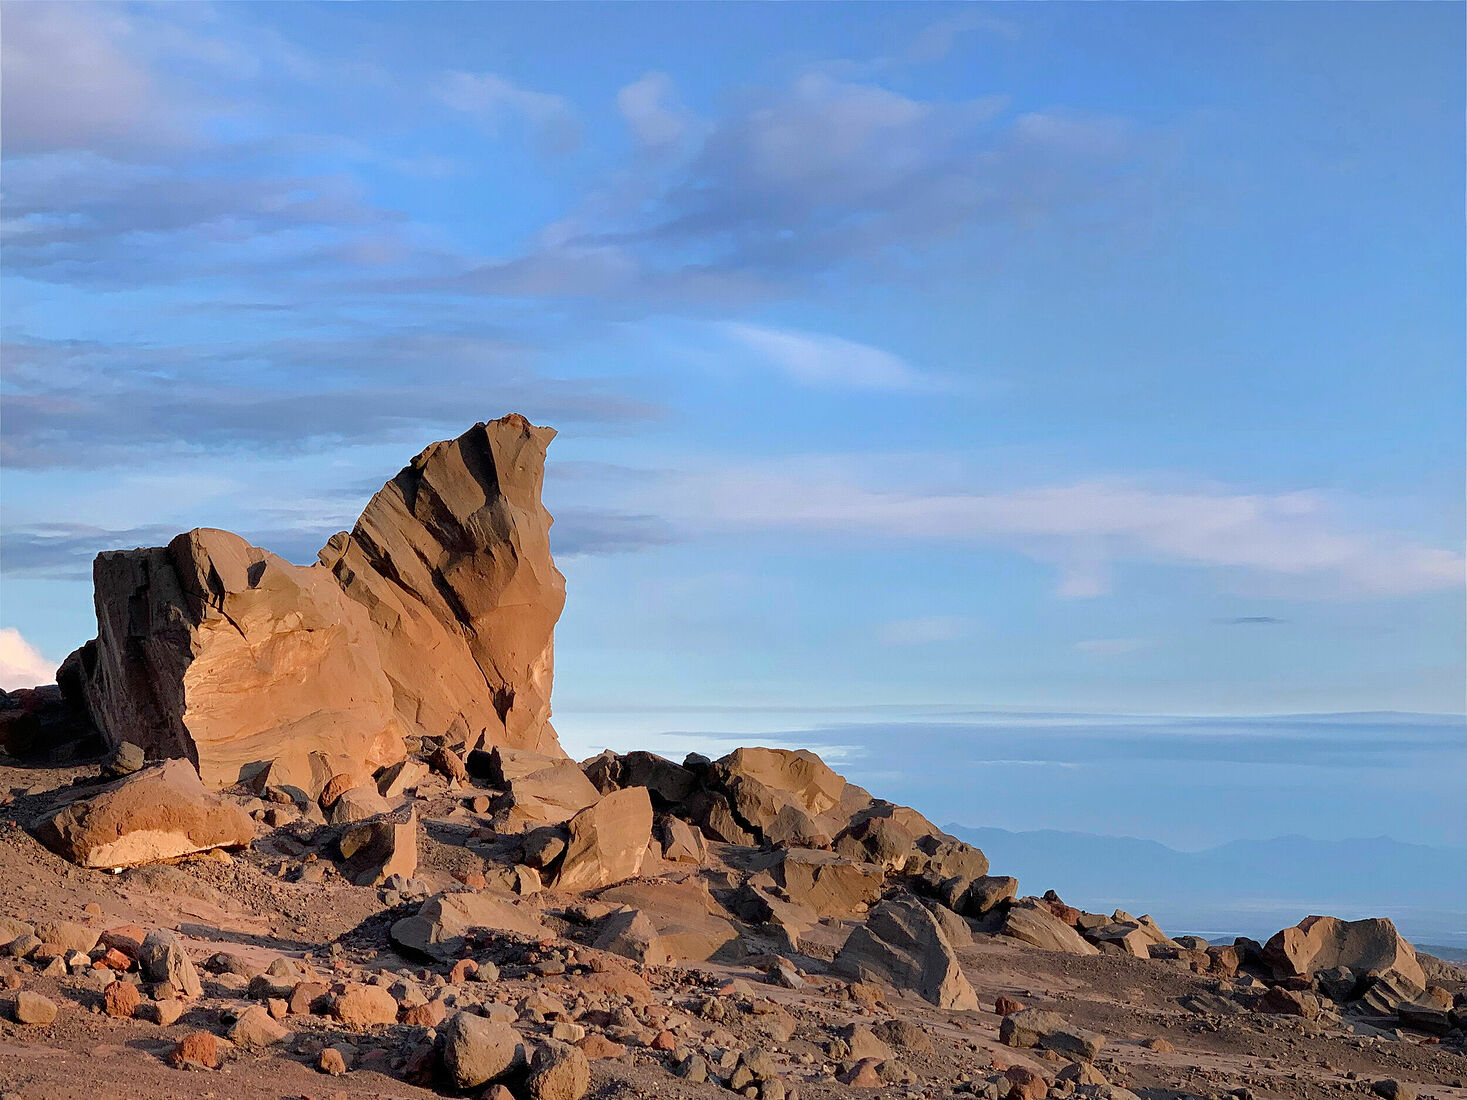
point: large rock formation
(452, 561)
(434, 616)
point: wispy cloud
(816, 359)
(925, 630)
(1297, 542)
(497, 103)
(652, 111)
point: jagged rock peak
(433, 617)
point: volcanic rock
(1319, 943)
(902, 944)
(474, 1051)
(434, 616)
(163, 959)
(557, 1072)
(1034, 1027)
(451, 560)
(437, 931)
(157, 813)
(1032, 923)
(827, 883)
(608, 841)
(219, 652)
(376, 850)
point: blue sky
(1078, 358)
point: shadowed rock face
(434, 616)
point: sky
(1033, 386)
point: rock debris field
(307, 831)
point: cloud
(927, 630)
(20, 665)
(813, 359)
(651, 110)
(1296, 542)
(1253, 620)
(71, 81)
(89, 404)
(496, 103)
(1111, 647)
(592, 531)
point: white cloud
(496, 101)
(20, 664)
(652, 112)
(926, 630)
(815, 359)
(1297, 543)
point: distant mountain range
(1246, 887)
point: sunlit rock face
(434, 616)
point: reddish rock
(428, 1014)
(596, 1046)
(1025, 1084)
(121, 999)
(462, 970)
(1007, 1006)
(196, 1050)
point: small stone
(1391, 1089)
(365, 1005)
(255, 1030)
(121, 999)
(196, 1050)
(162, 1013)
(163, 959)
(1007, 1006)
(332, 1061)
(34, 1009)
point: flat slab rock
(158, 813)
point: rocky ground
(500, 965)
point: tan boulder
(378, 849)
(829, 884)
(902, 945)
(608, 841)
(690, 925)
(160, 812)
(438, 929)
(451, 560)
(1029, 921)
(219, 652)
(1321, 943)
(547, 795)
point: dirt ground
(246, 903)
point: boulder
(1033, 1027)
(827, 883)
(879, 840)
(629, 933)
(984, 894)
(44, 721)
(1320, 943)
(396, 780)
(902, 944)
(255, 1030)
(163, 959)
(358, 804)
(474, 1051)
(1031, 922)
(219, 652)
(668, 783)
(557, 1072)
(436, 933)
(361, 1006)
(376, 850)
(681, 842)
(550, 794)
(608, 841)
(451, 561)
(690, 924)
(780, 796)
(160, 812)
(432, 617)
